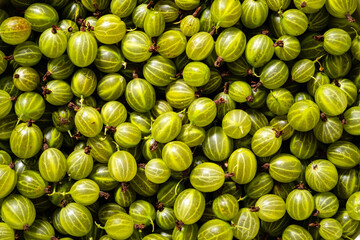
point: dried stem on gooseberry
(8, 58)
(45, 91)
(159, 206)
(73, 106)
(104, 195)
(124, 187)
(197, 11)
(278, 133)
(77, 135)
(26, 227)
(303, 4)
(87, 150)
(229, 175)
(46, 75)
(139, 226)
(254, 209)
(11, 165)
(265, 32)
(150, 4)
(250, 98)
(315, 224)
(226, 88)
(342, 119)
(30, 122)
(265, 167)
(218, 62)
(349, 17)
(213, 31)
(111, 129)
(153, 146)
(336, 82)
(323, 117)
(300, 186)
(54, 29)
(279, 43)
(63, 203)
(179, 225)
(316, 213)
(153, 48)
(319, 38)
(45, 145)
(13, 99)
(16, 76)
(47, 190)
(255, 85)
(220, 100)
(141, 165)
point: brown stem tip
(315, 224)
(319, 38)
(11, 165)
(213, 31)
(218, 62)
(142, 165)
(342, 119)
(226, 88)
(277, 133)
(255, 86)
(220, 100)
(197, 11)
(159, 206)
(153, 146)
(350, 18)
(64, 203)
(139, 226)
(47, 190)
(13, 99)
(47, 74)
(179, 225)
(300, 186)
(54, 29)
(323, 117)
(265, 167)
(316, 213)
(124, 187)
(73, 106)
(26, 227)
(250, 98)
(111, 129)
(303, 4)
(279, 43)
(104, 195)
(77, 135)
(336, 83)
(87, 150)
(254, 209)
(30, 122)
(8, 58)
(229, 175)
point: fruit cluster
(179, 119)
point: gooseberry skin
(331, 99)
(109, 29)
(15, 30)
(207, 177)
(189, 206)
(304, 115)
